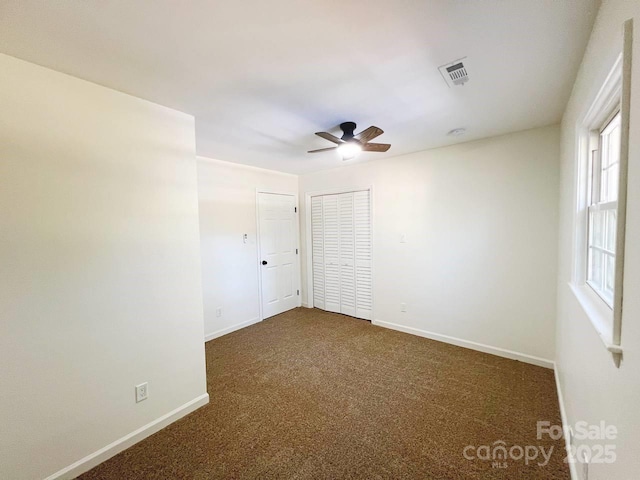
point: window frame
(595, 204)
(614, 95)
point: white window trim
(615, 93)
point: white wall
(227, 196)
(480, 219)
(594, 389)
(100, 287)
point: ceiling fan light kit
(349, 149)
(350, 145)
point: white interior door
(331, 231)
(347, 254)
(342, 253)
(363, 254)
(317, 252)
(278, 253)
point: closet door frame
(309, 246)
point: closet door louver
(331, 253)
(342, 253)
(347, 254)
(317, 253)
(363, 255)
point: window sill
(600, 315)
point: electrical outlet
(142, 392)
(219, 312)
(403, 307)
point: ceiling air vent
(455, 73)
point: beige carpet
(309, 394)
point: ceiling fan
(349, 145)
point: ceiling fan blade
(369, 134)
(376, 147)
(331, 138)
(322, 150)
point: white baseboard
(501, 352)
(306, 305)
(232, 328)
(87, 463)
(565, 423)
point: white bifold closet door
(341, 253)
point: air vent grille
(455, 73)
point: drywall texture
(100, 287)
(480, 221)
(227, 196)
(594, 389)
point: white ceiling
(261, 76)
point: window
(604, 173)
(602, 156)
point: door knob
(264, 262)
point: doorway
(340, 240)
(278, 253)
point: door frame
(259, 249)
(308, 239)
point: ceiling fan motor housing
(348, 129)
